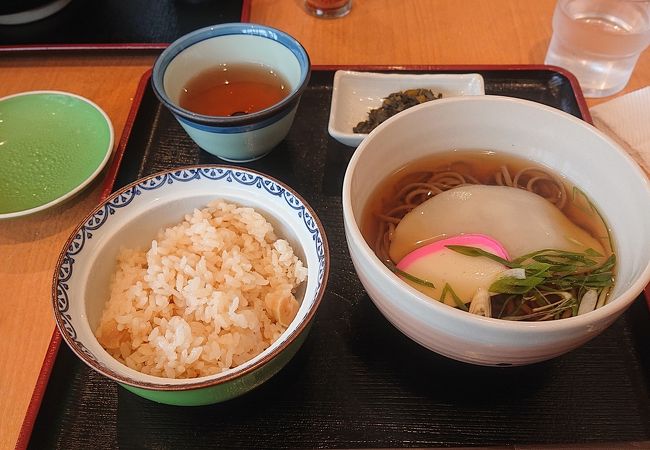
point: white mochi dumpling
(521, 221)
(441, 266)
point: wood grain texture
(418, 32)
(388, 32)
(29, 246)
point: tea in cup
(234, 88)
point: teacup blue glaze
(233, 138)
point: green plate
(52, 144)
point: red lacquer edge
(246, 11)
(107, 186)
(53, 348)
(42, 381)
(39, 391)
(80, 47)
(111, 175)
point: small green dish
(52, 145)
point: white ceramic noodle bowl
(567, 145)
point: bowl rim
(208, 380)
(229, 29)
(585, 320)
(81, 186)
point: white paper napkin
(626, 119)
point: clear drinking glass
(328, 9)
(599, 41)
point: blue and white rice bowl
(131, 218)
(239, 138)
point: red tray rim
(55, 341)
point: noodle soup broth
(412, 186)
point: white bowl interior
(567, 145)
(137, 224)
(356, 93)
(229, 49)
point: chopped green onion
(448, 290)
(475, 251)
(412, 278)
(548, 273)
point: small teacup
(236, 138)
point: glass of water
(599, 41)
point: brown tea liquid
(233, 89)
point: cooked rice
(209, 294)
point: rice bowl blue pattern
(233, 138)
(131, 218)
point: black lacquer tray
(141, 23)
(357, 381)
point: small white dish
(356, 93)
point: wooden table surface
(381, 32)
